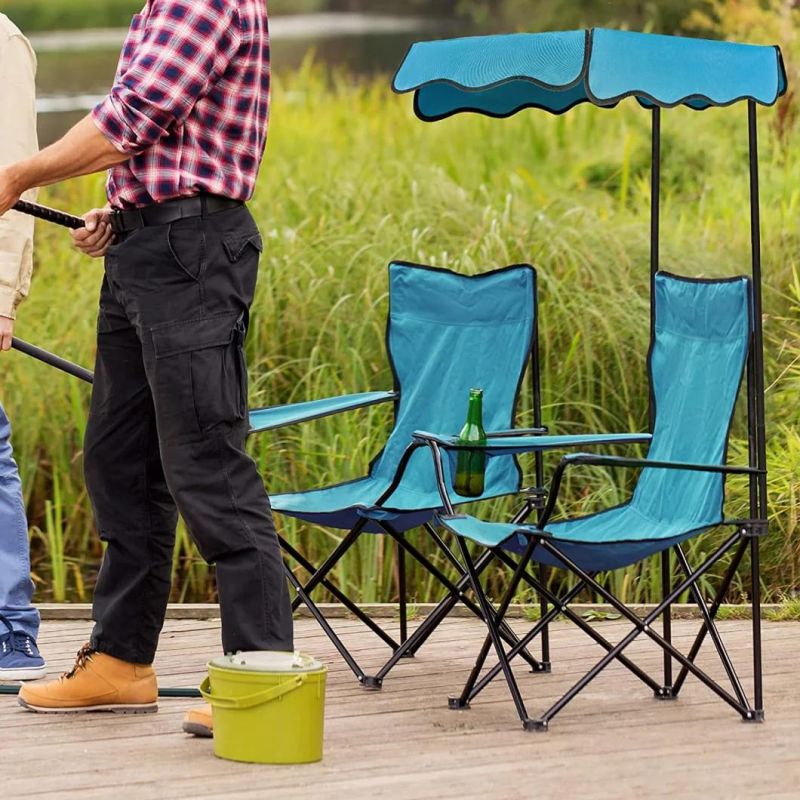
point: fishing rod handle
(49, 214)
(53, 360)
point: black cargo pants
(166, 434)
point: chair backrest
(697, 359)
(448, 333)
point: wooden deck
(614, 741)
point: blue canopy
(554, 71)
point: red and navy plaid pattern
(190, 101)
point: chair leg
(325, 625)
(561, 606)
(400, 554)
(440, 543)
(505, 631)
(710, 626)
(432, 621)
(665, 692)
(489, 618)
(332, 560)
(714, 608)
(755, 576)
(641, 626)
(463, 700)
(339, 595)
(545, 662)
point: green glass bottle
(471, 464)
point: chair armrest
(597, 459)
(623, 461)
(514, 432)
(512, 445)
(267, 419)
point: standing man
(19, 620)
(183, 131)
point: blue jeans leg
(16, 586)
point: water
(77, 68)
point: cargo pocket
(200, 374)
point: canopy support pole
(655, 230)
(539, 501)
(756, 420)
(655, 192)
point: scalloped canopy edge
(557, 70)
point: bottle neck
(475, 410)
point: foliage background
(352, 181)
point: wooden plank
(384, 611)
(403, 742)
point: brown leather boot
(97, 682)
(199, 721)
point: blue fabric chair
(447, 333)
(702, 334)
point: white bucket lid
(268, 661)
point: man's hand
(10, 189)
(6, 333)
(96, 237)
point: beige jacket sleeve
(17, 141)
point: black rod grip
(49, 214)
(52, 360)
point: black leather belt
(201, 205)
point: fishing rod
(66, 221)
(50, 215)
(52, 360)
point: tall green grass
(352, 181)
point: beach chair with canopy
(705, 335)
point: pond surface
(76, 68)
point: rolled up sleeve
(18, 141)
(186, 46)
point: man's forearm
(81, 151)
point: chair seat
(609, 540)
(345, 504)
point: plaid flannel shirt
(190, 102)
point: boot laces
(81, 660)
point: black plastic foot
(665, 693)
(542, 666)
(754, 716)
(457, 704)
(371, 683)
(538, 725)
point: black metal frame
(408, 645)
(746, 536)
(746, 532)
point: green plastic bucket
(269, 707)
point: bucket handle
(251, 700)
